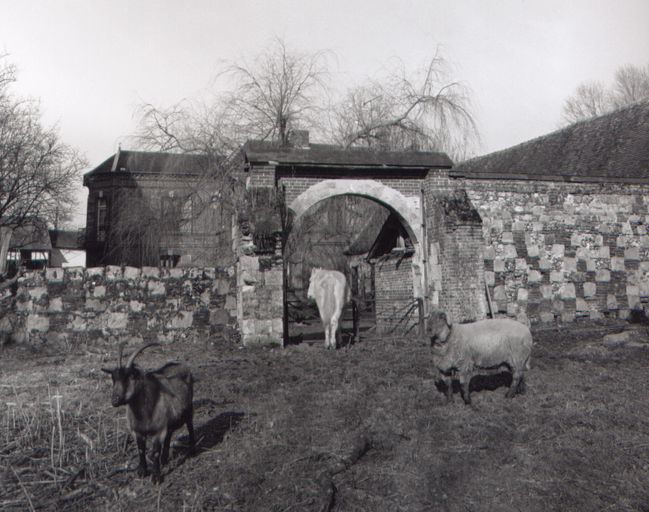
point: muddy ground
(360, 429)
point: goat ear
(107, 370)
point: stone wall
(556, 251)
(74, 306)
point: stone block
(521, 265)
(590, 289)
(156, 288)
(558, 250)
(581, 305)
(507, 237)
(500, 294)
(56, 305)
(569, 265)
(546, 317)
(556, 276)
(634, 301)
(181, 320)
(499, 265)
(537, 226)
(113, 273)
(567, 291)
(115, 321)
(75, 274)
(546, 291)
(568, 316)
(489, 278)
(603, 275)
(591, 265)
(95, 272)
(533, 251)
(37, 323)
(132, 273)
(99, 292)
(617, 264)
(575, 239)
(150, 272)
(136, 306)
(534, 276)
(632, 253)
(37, 293)
(545, 264)
(522, 295)
(509, 252)
(595, 314)
(54, 275)
(604, 252)
(489, 253)
(611, 302)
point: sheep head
(438, 327)
(125, 377)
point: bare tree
(631, 84)
(400, 112)
(38, 172)
(279, 91)
(591, 99)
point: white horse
(330, 290)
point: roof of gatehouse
(327, 155)
(610, 148)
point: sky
(90, 63)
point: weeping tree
(424, 110)
(38, 172)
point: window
(102, 218)
(39, 256)
(169, 260)
(13, 256)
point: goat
(159, 402)
(486, 344)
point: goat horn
(121, 349)
(129, 363)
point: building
(156, 209)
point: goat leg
(465, 379)
(192, 439)
(156, 449)
(141, 448)
(164, 458)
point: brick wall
(76, 306)
(394, 295)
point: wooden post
(422, 317)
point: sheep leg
(516, 380)
(156, 477)
(465, 379)
(141, 448)
(448, 382)
(522, 387)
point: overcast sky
(91, 62)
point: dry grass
(363, 428)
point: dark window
(169, 260)
(102, 218)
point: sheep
(460, 349)
(159, 402)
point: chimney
(298, 139)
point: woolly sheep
(460, 349)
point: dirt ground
(363, 428)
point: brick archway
(407, 209)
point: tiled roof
(151, 162)
(612, 147)
(256, 151)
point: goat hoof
(156, 478)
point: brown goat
(159, 402)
